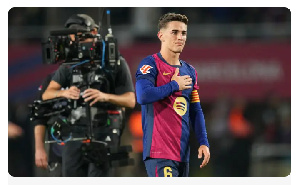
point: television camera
(93, 61)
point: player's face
(174, 36)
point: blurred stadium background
(243, 59)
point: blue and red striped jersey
(165, 122)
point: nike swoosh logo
(164, 73)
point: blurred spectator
(219, 135)
(241, 130)
(285, 117)
(20, 155)
(276, 120)
(239, 127)
(14, 130)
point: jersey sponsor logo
(164, 73)
(180, 106)
(145, 69)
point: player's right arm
(184, 82)
(147, 92)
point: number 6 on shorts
(167, 172)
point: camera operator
(122, 95)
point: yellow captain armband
(195, 97)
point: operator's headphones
(81, 21)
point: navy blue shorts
(166, 168)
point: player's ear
(160, 36)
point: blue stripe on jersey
(184, 140)
(185, 134)
(147, 113)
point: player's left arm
(198, 124)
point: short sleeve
(63, 76)
(42, 88)
(147, 70)
(123, 82)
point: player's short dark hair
(168, 17)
